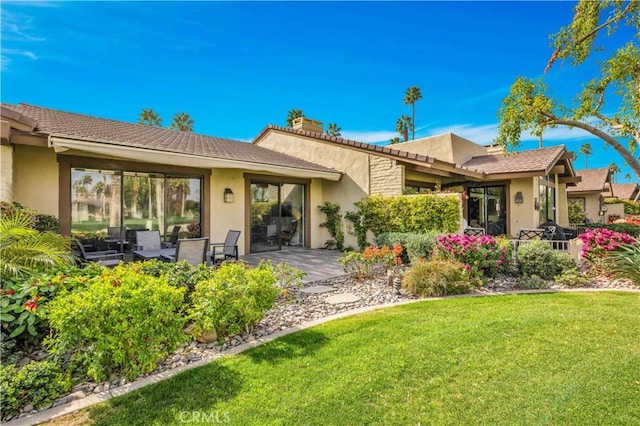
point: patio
(319, 264)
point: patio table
(154, 254)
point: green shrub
(625, 262)
(571, 277)
(178, 274)
(531, 282)
(122, 320)
(37, 383)
(539, 258)
(234, 299)
(624, 228)
(576, 213)
(333, 224)
(416, 246)
(437, 277)
(405, 213)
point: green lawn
(513, 360)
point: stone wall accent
(387, 177)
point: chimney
(495, 149)
(304, 123)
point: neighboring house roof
(623, 191)
(538, 160)
(534, 160)
(593, 180)
(74, 126)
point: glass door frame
(503, 211)
(251, 178)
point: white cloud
(25, 53)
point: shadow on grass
(296, 345)
(167, 402)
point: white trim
(60, 144)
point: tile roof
(623, 191)
(534, 160)
(112, 132)
(349, 142)
(593, 180)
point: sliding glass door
(277, 212)
(487, 208)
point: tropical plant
(403, 125)
(333, 130)
(585, 149)
(411, 96)
(597, 243)
(416, 245)
(149, 117)
(24, 250)
(181, 121)
(292, 115)
(627, 176)
(528, 107)
(625, 262)
(576, 213)
(614, 169)
(395, 140)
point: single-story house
(95, 173)
(622, 191)
(588, 193)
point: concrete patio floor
(317, 263)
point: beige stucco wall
(35, 178)
(6, 173)
(446, 147)
(562, 211)
(523, 215)
(227, 216)
(387, 178)
(592, 204)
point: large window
(547, 204)
(101, 199)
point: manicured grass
(513, 360)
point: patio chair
(227, 250)
(108, 258)
(528, 235)
(287, 234)
(193, 250)
(116, 235)
(173, 239)
(146, 241)
(474, 232)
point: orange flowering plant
(363, 264)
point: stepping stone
(317, 289)
(342, 298)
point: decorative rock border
(300, 311)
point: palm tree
(292, 115)
(614, 169)
(586, 150)
(23, 249)
(182, 121)
(628, 177)
(403, 125)
(150, 118)
(333, 130)
(395, 140)
(411, 96)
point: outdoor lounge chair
(108, 258)
(227, 250)
(150, 246)
(287, 234)
(528, 235)
(193, 250)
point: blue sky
(237, 66)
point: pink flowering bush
(597, 243)
(482, 256)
